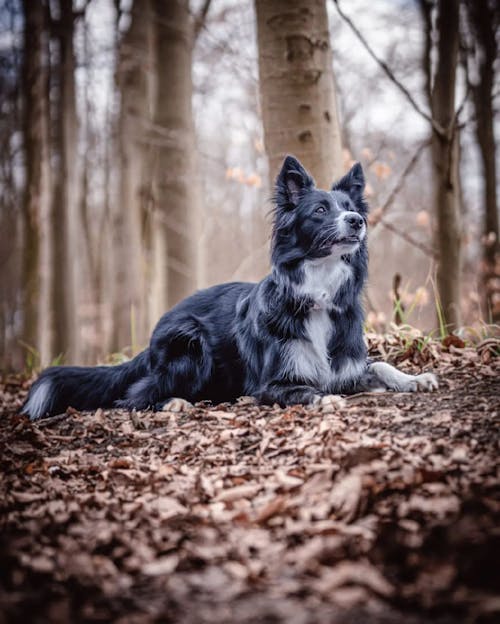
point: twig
(46, 422)
(400, 182)
(200, 19)
(409, 239)
(456, 125)
(390, 74)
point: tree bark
(65, 212)
(297, 87)
(177, 196)
(36, 208)
(484, 22)
(445, 150)
(130, 320)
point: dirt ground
(384, 508)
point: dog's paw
(246, 400)
(328, 403)
(176, 405)
(427, 382)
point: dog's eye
(320, 210)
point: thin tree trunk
(173, 135)
(66, 209)
(445, 150)
(37, 188)
(484, 21)
(129, 289)
(297, 88)
(491, 247)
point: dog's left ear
(291, 182)
(353, 183)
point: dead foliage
(381, 508)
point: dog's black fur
(292, 338)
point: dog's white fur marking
(396, 380)
(308, 359)
(323, 278)
(39, 402)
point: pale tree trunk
(36, 210)
(484, 21)
(66, 228)
(175, 231)
(297, 87)
(445, 155)
(130, 279)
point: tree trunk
(445, 150)
(491, 248)
(66, 209)
(130, 321)
(177, 178)
(36, 207)
(484, 21)
(297, 89)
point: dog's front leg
(383, 376)
(286, 393)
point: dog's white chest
(308, 359)
(323, 278)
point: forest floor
(384, 509)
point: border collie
(295, 337)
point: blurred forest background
(139, 141)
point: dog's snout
(354, 220)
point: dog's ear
(291, 182)
(353, 183)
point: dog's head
(310, 223)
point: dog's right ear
(291, 182)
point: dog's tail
(83, 388)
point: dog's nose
(354, 220)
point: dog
(296, 337)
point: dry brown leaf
(452, 340)
(355, 573)
(276, 506)
(286, 481)
(161, 566)
(29, 497)
(239, 491)
(345, 496)
(168, 507)
(441, 506)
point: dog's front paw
(175, 405)
(328, 403)
(427, 382)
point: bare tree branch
(379, 219)
(409, 239)
(456, 125)
(390, 74)
(399, 184)
(200, 18)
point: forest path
(386, 508)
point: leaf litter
(374, 508)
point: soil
(378, 508)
